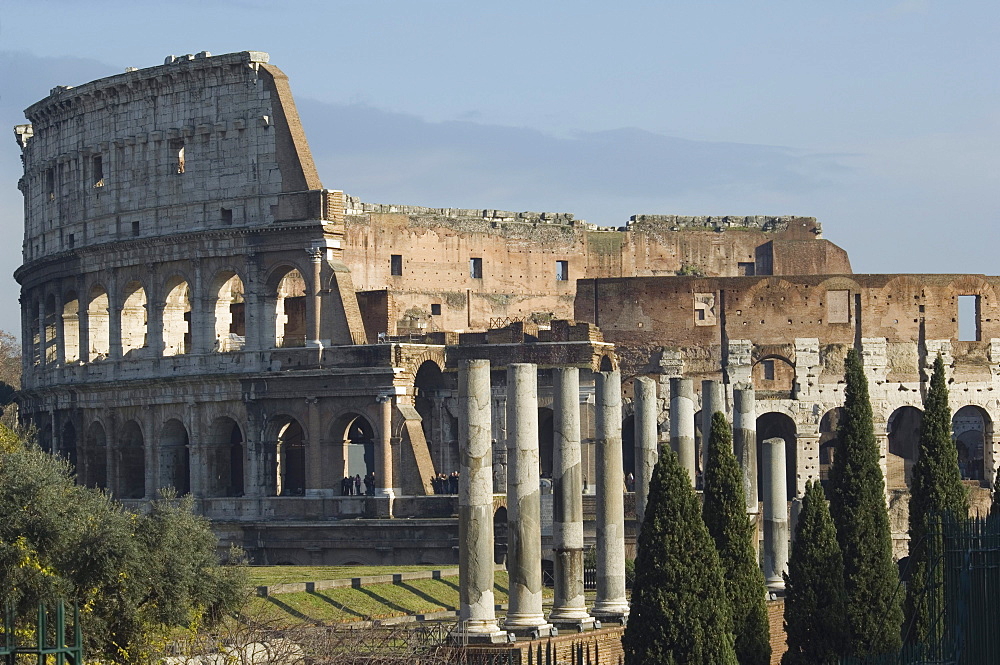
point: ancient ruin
(199, 312)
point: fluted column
(682, 425)
(477, 615)
(745, 442)
(775, 513)
(611, 603)
(569, 607)
(646, 439)
(524, 533)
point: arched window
(131, 462)
(286, 452)
(229, 312)
(134, 319)
(777, 425)
(904, 446)
(177, 318)
(969, 428)
(98, 329)
(175, 465)
(288, 300)
(71, 328)
(224, 454)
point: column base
(616, 615)
(532, 632)
(578, 625)
(463, 637)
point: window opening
(50, 184)
(227, 216)
(968, 319)
(436, 309)
(177, 153)
(135, 228)
(476, 268)
(396, 265)
(768, 370)
(97, 171)
(562, 271)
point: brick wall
(776, 617)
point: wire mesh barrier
(48, 640)
(962, 596)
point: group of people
(352, 486)
(445, 484)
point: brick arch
(412, 364)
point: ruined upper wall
(198, 143)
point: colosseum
(198, 312)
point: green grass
(376, 601)
(264, 575)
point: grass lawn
(263, 575)
(376, 601)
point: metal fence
(962, 594)
(49, 641)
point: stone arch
(606, 364)
(286, 306)
(903, 428)
(131, 462)
(174, 457)
(98, 323)
(285, 449)
(427, 384)
(971, 428)
(134, 318)
(95, 456)
(177, 317)
(356, 436)
(773, 373)
(546, 441)
(71, 327)
(829, 439)
(225, 451)
(774, 424)
(229, 313)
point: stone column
(611, 603)
(477, 617)
(712, 400)
(314, 449)
(682, 424)
(315, 314)
(569, 607)
(383, 467)
(745, 442)
(524, 535)
(775, 513)
(646, 439)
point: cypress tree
(936, 488)
(857, 504)
(815, 599)
(725, 515)
(679, 613)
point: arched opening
(224, 454)
(969, 428)
(177, 318)
(829, 439)
(230, 312)
(50, 329)
(777, 425)
(904, 446)
(628, 452)
(175, 459)
(131, 462)
(34, 332)
(45, 438)
(134, 320)
(96, 457)
(71, 328)
(427, 383)
(287, 451)
(288, 300)
(98, 329)
(606, 365)
(67, 443)
(774, 376)
(546, 442)
(358, 440)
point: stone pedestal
(646, 440)
(611, 604)
(745, 443)
(569, 607)
(682, 425)
(775, 513)
(477, 616)
(524, 536)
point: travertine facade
(199, 312)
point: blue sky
(879, 118)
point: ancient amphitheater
(199, 312)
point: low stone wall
(354, 582)
(596, 647)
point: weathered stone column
(611, 603)
(314, 314)
(524, 534)
(477, 617)
(384, 471)
(314, 449)
(569, 607)
(775, 513)
(646, 439)
(682, 424)
(745, 442)
(712, 400)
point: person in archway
(357, 484)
